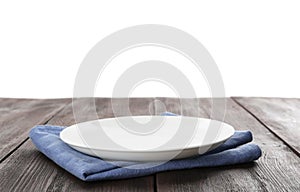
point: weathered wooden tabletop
(274, 122)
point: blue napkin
(235, 150)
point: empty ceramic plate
(147, 138)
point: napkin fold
(235, 150)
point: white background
(256, 44)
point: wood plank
(18, 116)
(188, 107)
(32, 171)
(277, 170)
(280, 116)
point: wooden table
(275, 123)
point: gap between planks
(60, 179)
(27, 138)
(266, 126)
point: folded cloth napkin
(235, 150)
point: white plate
(120, 138)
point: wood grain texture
(281, 116)
(277, 170)
(18, 116)
(26, 169)
(32, 171)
